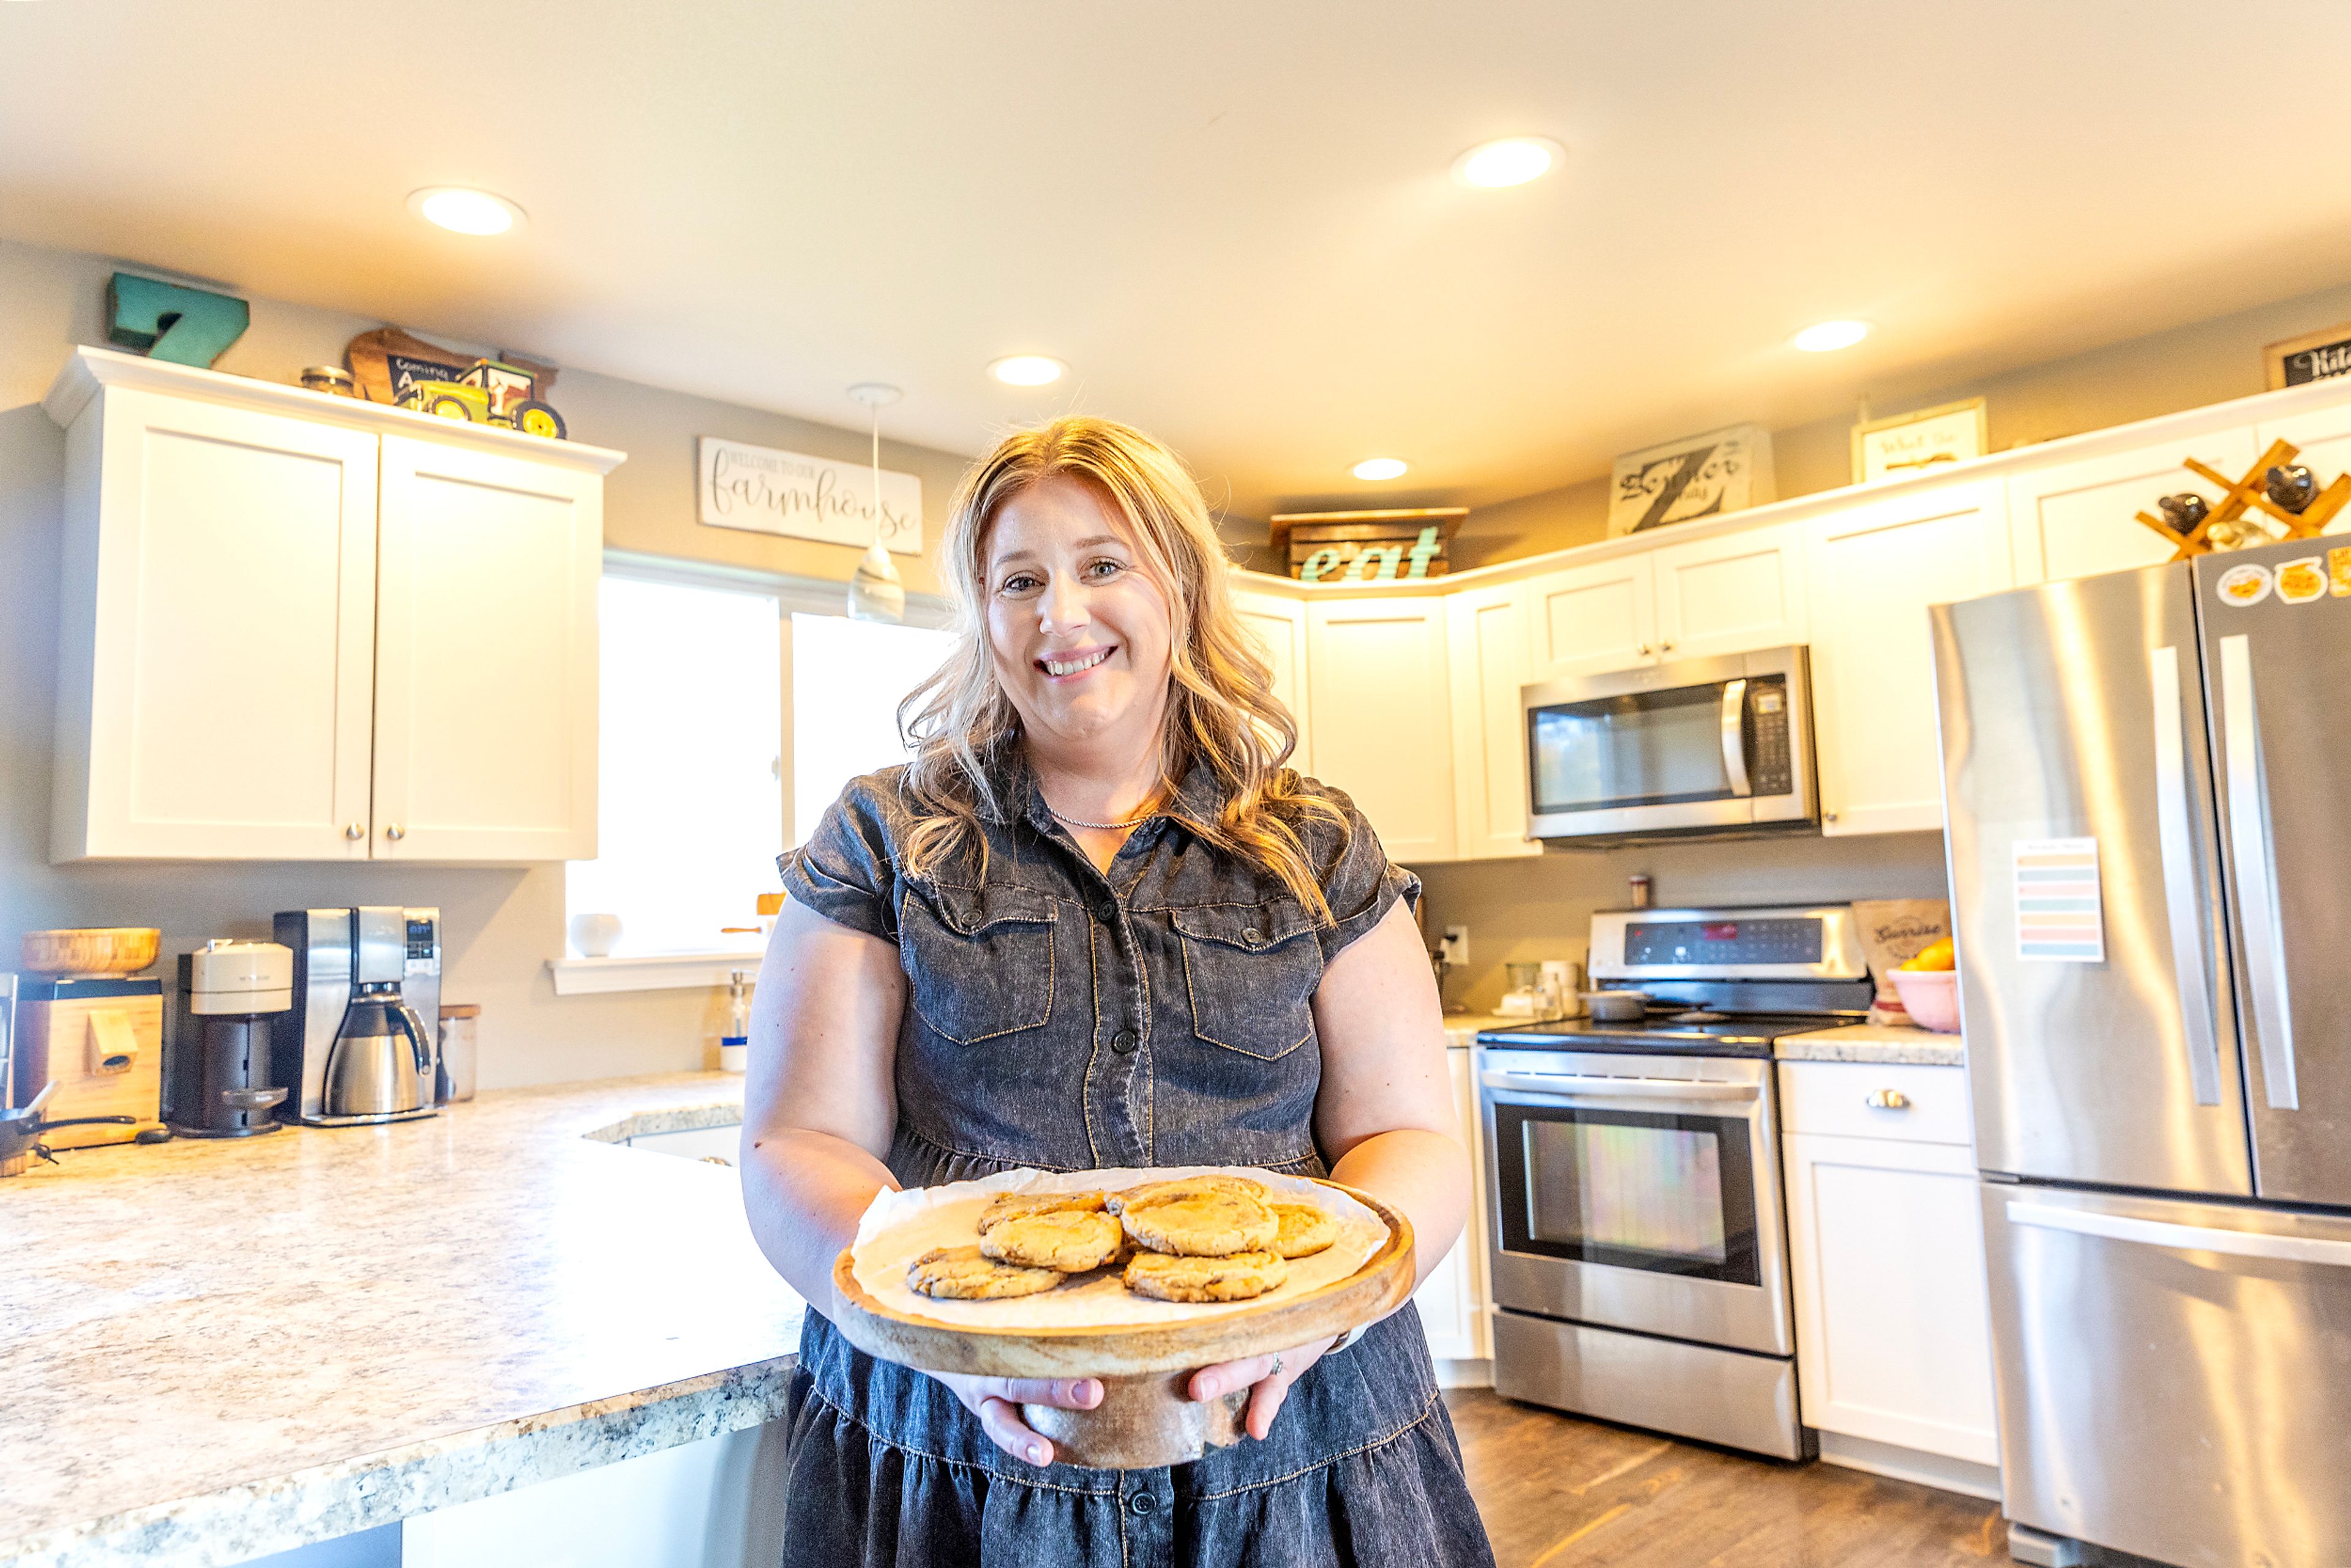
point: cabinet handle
(1665, 647)
(1644, 650)
(1828, 816)
(1887, 1099)
(395, 832)
(355, 832)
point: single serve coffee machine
(355, 1049)
(216, 1072)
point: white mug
(595, 935)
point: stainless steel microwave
(1678, 751)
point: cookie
(1207, 1225)
(1013, 1205)
(1185, 1186)
(963, 1273)
(1305, 1228)
(1237, 1278)
(1070, 1239)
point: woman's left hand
(1267, 1378)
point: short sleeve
(1359, 881)
(845, 871)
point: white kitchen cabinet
(1376, 684)
(1733, 594)
(485, 656)
(1487, 659)
(301, 627)
(215, 634)
(1590, 620)
(1454, 1301)
(1279, 624)
(2324, 438)
(2076, 519)
(1875, 569)
(1892, 1315)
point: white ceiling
(1232, 219)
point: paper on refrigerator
(2060, 916)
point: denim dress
(1063, 1018)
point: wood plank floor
(1559, 1492)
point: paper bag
(1892, 930)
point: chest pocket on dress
(979, 959)
(1251, 969)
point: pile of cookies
(1194, 1238)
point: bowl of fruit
(1928, 987)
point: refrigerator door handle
(2256, 882)
(2182, 904)
(2181, 1237)
(1734, 742)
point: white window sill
(649, 971)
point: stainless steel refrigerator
(2147, 789)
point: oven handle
(1564, 1086)
(1734, 742)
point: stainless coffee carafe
(355, 1048)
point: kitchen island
(215, 1350)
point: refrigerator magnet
(2247, 584)
(2060, 918)
(2338, 571)
(2300, 581)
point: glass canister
(459, 1050)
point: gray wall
(502, 924)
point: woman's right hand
(997, 1402)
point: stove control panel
(1782, 942)
(1711, 942)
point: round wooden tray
(1146, 1419)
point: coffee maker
(355, 1048)
(216, 1071)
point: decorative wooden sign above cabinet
(295, 626)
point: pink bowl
(1931, 997)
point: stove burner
(1699, 1016)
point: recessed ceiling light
(1825, 337)
(466, 211)
(1512, 161)
(1027, 370)
(1380, 468)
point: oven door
(1638, 1192)
(1671, 748)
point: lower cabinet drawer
(1861, 1099)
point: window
(693, 804)
(848, 678)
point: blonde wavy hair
(1222, 713)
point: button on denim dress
(1064, 1019)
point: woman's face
(1079, 632)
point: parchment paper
(899, 1226)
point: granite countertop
(217, 1349)
(1874, 1042)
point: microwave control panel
(1769, 769)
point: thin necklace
(1098, 827)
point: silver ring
(1276, 1365)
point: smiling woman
(1096, 923)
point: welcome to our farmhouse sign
(769, 491)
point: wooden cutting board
(1147, 1418)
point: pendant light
(875, 593)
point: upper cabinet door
(1280, 625)
(215, 634)
(486, 657)
(1487, 659)
(2323, 437)
(1589, 620)
(2076, 519)
(1734, 593)
(1376, 688)
(1880, 565)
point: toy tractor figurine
(491, 392)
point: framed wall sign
(1724, 470)
(1907, 443)
(2312, 357)
(766, 490)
